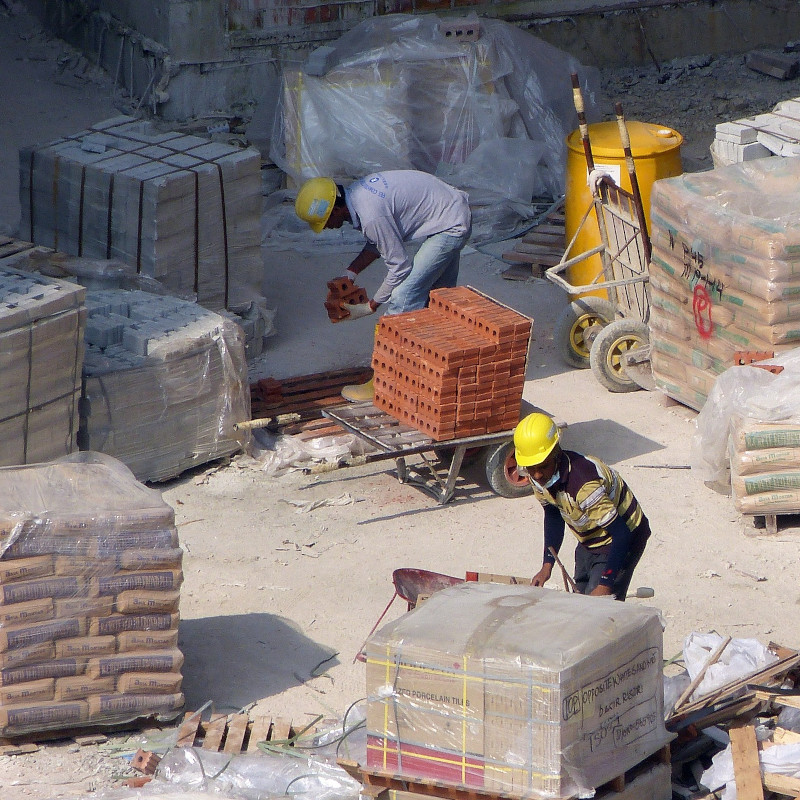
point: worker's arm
(621, 537)
(553, 537)
(368, 254)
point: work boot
(359, 392)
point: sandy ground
(278, 598)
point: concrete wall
(195, 58)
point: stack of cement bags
(41, 352)
(178, 208)
(90, 574)
(164, 382)
(765, 466)
(725, 271)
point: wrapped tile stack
(178, 208)
(90, 577)
(765, 466)
(41, 352)
(456, 368)
(164, 382)
(725, 271)
(517, 691)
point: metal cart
(595, 332)
(436, 475)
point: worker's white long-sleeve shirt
(400, 205)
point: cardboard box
(516, 690)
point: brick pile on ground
(41, 351)
(343, 290)
(456, 368)
(90, 577)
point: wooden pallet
(388, 786)
(542, 247)
(234, 733)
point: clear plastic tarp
(490, 116)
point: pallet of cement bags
(178, 208)
(90, 577)
(725, 271)
(164, 381)
(41, 353)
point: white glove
(352, 275)
(358, 310)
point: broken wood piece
(746, 766)
(713, 658)
(782, 784)
(89, 739)
(783, 66)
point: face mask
(542, 486)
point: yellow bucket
(656, 153)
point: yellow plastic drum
(656, 154)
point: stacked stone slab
(41, 353)
(164, 382)
(725, 271)
(456, 368)
(90, 576)
(178, 208)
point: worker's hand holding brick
(358, 310)
(341, 293)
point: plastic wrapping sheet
(164, 397)
(516, 690)
(746, 397)
(397, 94)
(90, 576)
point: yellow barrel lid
(646, 139)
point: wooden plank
(782, 784)
(14, 247)
(259, 732)
(214, 732)
(784, 736)
(746, 766)
(237, 728)
(188, 729)
(538, 249)
(521, 272)
(281, 730)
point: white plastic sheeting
(489, 116)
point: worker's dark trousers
(591, 563)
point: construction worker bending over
(592, 499)
(391, 208)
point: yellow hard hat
(535, 437)
(315, 202)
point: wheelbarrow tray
(394, 439)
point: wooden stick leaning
(569, 584)
(713, 658)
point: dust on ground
(275, 588)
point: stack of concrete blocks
(164, 381)
(725, 271)
(519, 692)
(775, 133)
(178, 208)
(90, 577)
(41, 352)
(456, 368)
(765, 465)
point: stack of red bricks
(456, 368)
(343, 290)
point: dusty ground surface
(278, 597)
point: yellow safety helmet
(535, 437)
(315, 202)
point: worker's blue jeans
(435, 266)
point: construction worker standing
(391, 208)
(592, 499)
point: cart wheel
(611, 344)
(471, 455)
(501, 472)
(578, 326)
